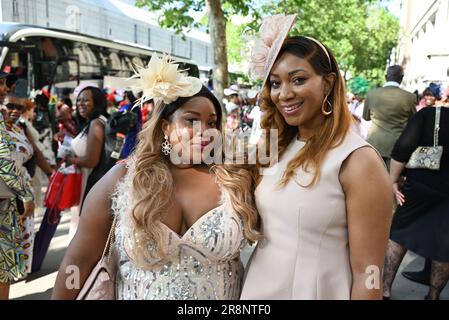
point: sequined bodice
(202, 264)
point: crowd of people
(164, 226)
(39, 138)
(397, 123)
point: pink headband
(322, 47)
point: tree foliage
(235, 42)
(176, 15)
(359, 85)
(360, 33)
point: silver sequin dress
(203, 264)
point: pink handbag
(100, 285)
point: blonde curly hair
(152, 190)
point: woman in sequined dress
(179, 227)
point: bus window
(116, 64)
(137, 62)
(93, 62)
(48, 48)
(13, 60)
(105, 61)
(126, 66)
(82, 58)
(191, 69)
(102, 59)
(16, 63)
(146, 60)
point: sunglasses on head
(12, 106)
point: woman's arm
(40, 159)
(369, 204)
(95, 141)
(404, 147)
(396, 169)
(87, 246)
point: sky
(394, 6)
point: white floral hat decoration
(162, 81)
(272, 33)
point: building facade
(423, 50)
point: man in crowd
(389, 109)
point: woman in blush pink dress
(326, 209)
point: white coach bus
(56, 59)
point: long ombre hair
(152, 190)
(334, 127)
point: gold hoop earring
(323, 110)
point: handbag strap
(437, 126)
(110, 242)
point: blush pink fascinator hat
(272, 34)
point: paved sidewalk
(39, 286)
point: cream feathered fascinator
(162, 81)
(272, 33)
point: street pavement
(39, 286)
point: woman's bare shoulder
(363, 164)
(115, 174)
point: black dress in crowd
(421, 224)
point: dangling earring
(323, 110)
(166, 146)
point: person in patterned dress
(12, 259)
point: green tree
(361, 33)
(176, 15)
(234, 39)
(235, 42)
(359, 85)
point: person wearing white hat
(232, 95)
(256, 116)
(232, 107)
